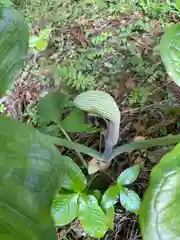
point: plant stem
(168, 140)
(70, 140)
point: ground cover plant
(95, 107)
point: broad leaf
(110, 197)
(13, 46)
(129, 175)
(73, 177)
(110, 216)
(30, 168)
(130, 200)
(51, 106)
(52, 130)
(170, 52)
(178, 5)
(41, 44)
(92, 217)
(75, 122)
(65, 208)
(159, 213)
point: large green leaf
(178, 5)
(129, 175)
(30, 168)
(130, 200)
(110, 197)
(75, 122)
(159, 213)
(92, 217)
(65, 208)
(13, 46)
(51, 106)
(170, 52)
(73, 177)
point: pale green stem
(70, 140)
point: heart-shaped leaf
(75, 122)
(159, 213)
(13, 46)
(170, 52)
(51, 106)
(30, 175)
(130, 200)
(92, 217)
(73, 177)
(110, 197)
(65, 208)
(129, 175)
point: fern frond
(76, 79)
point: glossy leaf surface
(73, 177)
(110, 197)
(130, 200)
(29, 176)
(129, 175)
(159, 214)
(170, 52)
(91, 216)
(65, 208)
(13, 46)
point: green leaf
(65, 208)
(74, 122)
(178, 5)
(6, 3)
(129, 175)
(52, 130)
(170, 52)
(73, 177)
(51, 106)
(13, 46)
(30, 175)
(130, 200)
(32, 41)
(92, 217)
(160, 206)
(110, 216)
(41, 44)
(110, 197)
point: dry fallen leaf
(93, 166)
(130, 84)
(139, 138)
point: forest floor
(115, 48)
